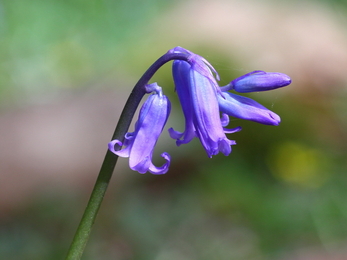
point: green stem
(83, 231)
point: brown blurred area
(59, 144)
(303, 39)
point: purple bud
(259, 81)
(247, 109)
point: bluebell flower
(197, 91)
(258, 80)
(139, 145)
(246, 108)
(205, 105)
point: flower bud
(260, 81)
(247, 109)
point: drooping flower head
(197, 91)
(139, 145)
(205, 105)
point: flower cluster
(206, 107)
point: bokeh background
(66, 69)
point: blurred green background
(66, 69)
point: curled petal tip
(233, 130)
(175, 134)
(111, 145)
(164, 168)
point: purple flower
(205, 105)
(197, 91)
(258, 81)
(140, 144)
(246, 108)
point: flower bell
(197, 91)
(140, 144)
(246, 108)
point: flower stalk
(206, 107)
(83, 231)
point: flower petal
(179, 70)
(260, 81)
(232, 130)
(125, 152)
(162, 169)
(224, 120)
(152, 119)
(246, 108)
(198, 95)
